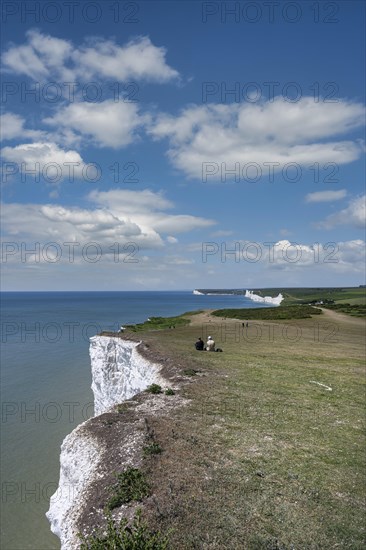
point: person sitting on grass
(210, 346)
(199, 345)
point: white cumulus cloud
(12, 126)
(148, 209)
(139, 60)
(45, 158)
(354, 214)
(270, 132)
(108, 123)
(291, 256)
(117, 216)
(43, 57)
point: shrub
(131, 485)
(269, 313)
(154, 388)
(169, 391)
(121, 537)
(152, 449)
(190, 372)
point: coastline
(207, 429)
(46, 369)
(93, 452)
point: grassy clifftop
(270, 313)
(268, 451)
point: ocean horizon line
(172, 290)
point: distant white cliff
(198, 293)
(118, 373)
(264, 299)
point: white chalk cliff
(119, 372)
(80, 454)
(276, 301)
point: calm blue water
(45, 388)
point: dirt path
(343, 317)
(206, 317)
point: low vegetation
(131, 485)
(122, 407)
(269, 452)
(124, 537)
(356, 310)
(335, 294)
(159, 323)
(269, 313)
(190, 372)
(306, 295)
(154, 388)
(152, 449)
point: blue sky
(176, 145)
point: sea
(45, 388)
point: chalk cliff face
(80, 454)
(276, 301)
(118, 373)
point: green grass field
(270, 313)
(158, 323)
(306, 295)
(269, 451)
(351, 301)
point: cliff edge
(93, 452)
